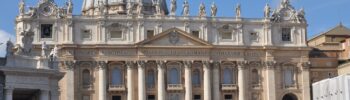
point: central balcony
(116, 88)
(175, 87)
(228, 87)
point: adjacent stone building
(140, 50)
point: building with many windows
(140, 50)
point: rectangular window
(150, 34)
(197, 97)
(46, 30)
(86, 34)
(116, 98)
(228, 97)
(86, 97)
(286, 34)
(116, 34)
(151, 97)
(226, 35)
(195, 34)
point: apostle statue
(202, 11)
(214, 9)
(101, 8)
(173, 7)
(43, 49)
(32, 11)
(21, 7)
(301, 15)
(69, 7)
(156, 4)
(54, 53)
(9, 47)
(186, 9)
(238, 10)
(285, 4)
(139, 9)
(267, 11)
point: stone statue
(157, 7)
(285, 3)
(173, 7)
(21, 7)
(140, 9)
(186, 9)
(26, 41)
(32, 11)
(202, 11)
(276, 16)
(101, 8)
(238, 10)
(43, 49)
(9, 47)
(214, 9)
(54, 53)
(59, 13)
(301, 15)
(267, 11)
(69, 7)
(129, 8)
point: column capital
(270, 64)
(102, 65)
(305, 65)
(206, 63)
(216, 64)
(242, 64)
(161, 63)
(141, 63)
(129, 64)
(69, 65)
(188, 64)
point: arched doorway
(290, 96)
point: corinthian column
(141, 79)
(161, 83)
(188, 80)
(206, 79)
(130, 85)
(102, 92)
(270, 80)
(241, 82)
(216, 81)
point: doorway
(26, 94)
(290, 96)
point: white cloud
(4, 37)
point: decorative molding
(102, 65)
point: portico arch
(290, 96)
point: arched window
(150, 79)
(228, 76)
(288, 77)
(255, 76)
(174, 76)
(117, 76)
(86, 77)
(196, 78)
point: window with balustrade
(228, 76)
(151, 78)
(86, 78)
(116, 76)
(174, 76)
(255, 77)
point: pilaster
(69, 67)
(141, 80)
(305, 80)
(130, 84)
(102, 92)
(270, 80)
(216, 81)
(242, 84)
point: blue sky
(321, 14)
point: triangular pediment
(173, 37)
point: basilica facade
(141, 50)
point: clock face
(46, 10)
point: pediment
(173, 37)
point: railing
(175, 87)
(228, 87)
(116, 88)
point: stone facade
(126, 51)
